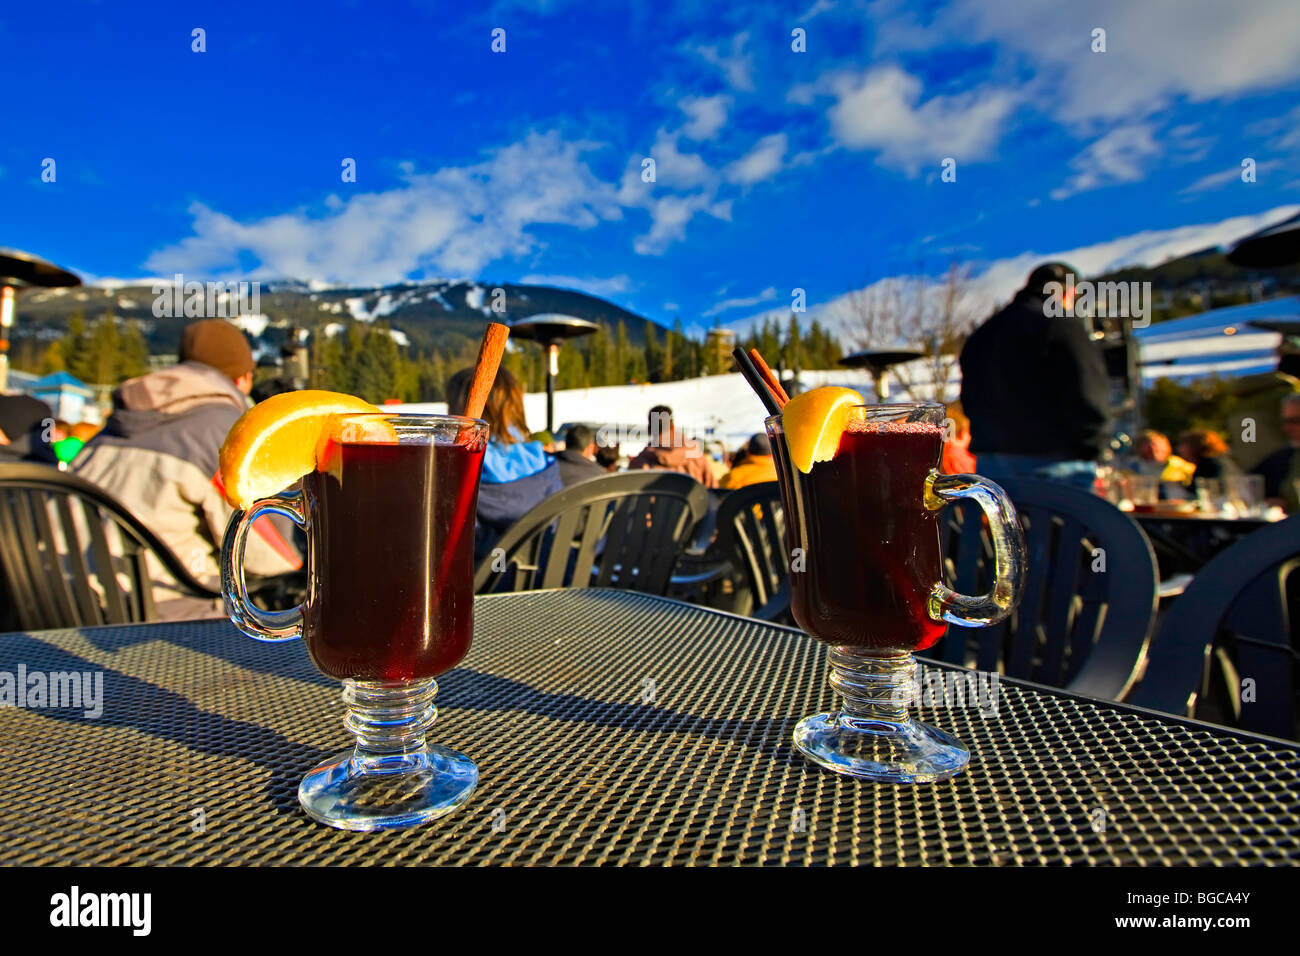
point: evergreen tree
(668, 369)
(622, 354)
(327, 368)
(654, 356)
(792, 350)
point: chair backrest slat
(593, 532)
(556, 573)
(39, 567)
(89, 610)
(59, 590)
(1063, 600)
(17, 572)
(1028, 635)
(115, 606)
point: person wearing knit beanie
(219, 344)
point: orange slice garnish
(813, 422)
(274, 443)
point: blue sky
(774, 169)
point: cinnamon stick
(485, 369)
(769, 377)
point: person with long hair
(517, 472)
(1208, 451)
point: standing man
(1035, 388)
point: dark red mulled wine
(391, 559)
(869, 555)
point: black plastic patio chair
(1084, 620)
(611, 531)
(740, 567)
(72, 556)
(751, 536)
(1237, 607)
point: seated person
(1281, 470)
(670, 450)
(1208, 452)
(517, 472)
(754, 467)
(578, 457)
(157, 455)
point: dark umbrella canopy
(24, 269)
(1271, 248)
(551, 327)
(877, 359)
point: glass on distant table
(866, 577)
(1211, 496)
(1143, 492)
(1246, 494)
(390, 559)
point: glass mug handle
(253, 621)
(1008, 552)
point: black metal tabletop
(609, 728)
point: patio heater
(877, 362)
(21, 270)
(549, 330)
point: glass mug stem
(875, 689)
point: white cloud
(1226, 176)
(999, 280)
(818, 7)
(1156, 50)
(762, 162)
(1150, 247)
(454, 221)
(767, 295)
(881, 110)
(706, 115)
(736, 65)
(669, 216)
(1121, 156)
(602, 287)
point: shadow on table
(137, 704)
(474, 690)
(287, 659)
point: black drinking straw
(748, 369)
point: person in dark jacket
(517, 473)
(26, 428)
(1035, 388)
(578, 459)
(1281, 470)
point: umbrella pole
(552, 369)
(6, 323)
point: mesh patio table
(609, 728)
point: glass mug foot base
(885, 752)
(408, 791)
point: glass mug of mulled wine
(862, 530)
(390, 563)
